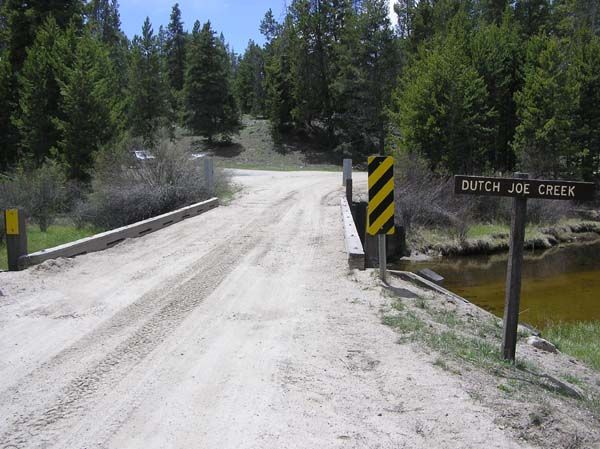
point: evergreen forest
(465, 86)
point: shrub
(427, 199)
(41, 192)
(126, 190)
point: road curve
(239, 328)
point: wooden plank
(111, 238)
(354, 248)
(431, 276)
(525, 188)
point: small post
(349, 191)
(513, 275)
(209, 175)
(382, 258)
(16, 237)
(347, 174)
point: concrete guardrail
(354, 248)
(109, 239)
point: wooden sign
(520, 188)
(380, 211)
(525, 188)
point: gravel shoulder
(240, 328)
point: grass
(476, 344)
(488, 238)
(254, 149)
(56, 235)
(581, 340)
(487, 230)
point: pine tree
(175, 50)
(547, 107)
(89, 116)
(586, 135)
(8, 132)
(441, 109)
(279, 80)
(497, 54)
(405, 11)
(269, 27)
(533, 15)
(148, 101)
(19, 25)
(250, 81)
(368, 63)
(104, 21)
(210, 107)
(39, 104)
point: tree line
(72, 84)
(471, 86)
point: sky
(239, 20)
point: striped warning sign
(381, 195)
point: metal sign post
(380, 211)
(520, 188)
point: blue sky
(237, 19)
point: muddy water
(561, 284)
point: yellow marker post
(380, 211)
(16, 237)
(11, 218)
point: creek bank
(435, 244)
(546, 399)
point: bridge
(242, 327)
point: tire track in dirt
(154, 316)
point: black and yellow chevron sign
(380, 212)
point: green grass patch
(487, 230)
(56, 235)
(581, 340)
(405, 323)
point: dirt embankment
(240, 328)
(550, 400)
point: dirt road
(240, 328)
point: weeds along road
(240, 328)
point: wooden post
(513, 275)
(15, 224)
(209, 175)
(349, 191)
(347, 174)
(382, 258)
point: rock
(541, 344)
(528, 330)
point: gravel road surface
(240, 328)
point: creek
(560, 284)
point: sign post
(520, 188)
(16, 237)
(380, 211)
(209, 175)
(512, 296)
